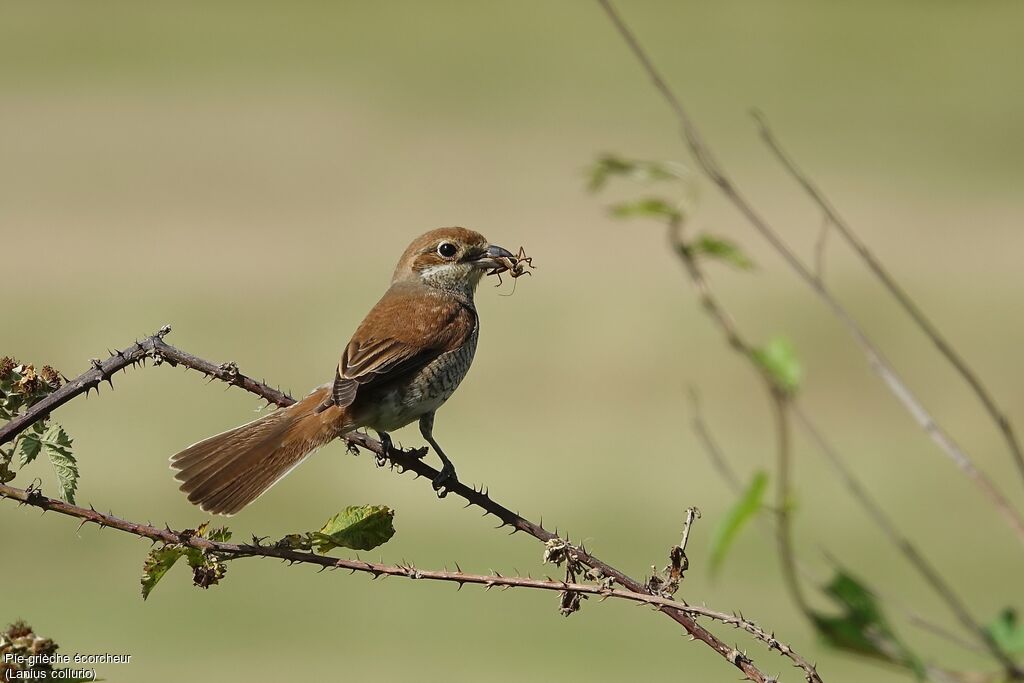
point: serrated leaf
(362, 527)
(609, 166)
(738, 515)
(779, 360)
(29, 446)
(158, 562)
(721, 249)
(1008, 632)
(862, 627)
(649, 207)
(57, 446)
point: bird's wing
(408, 328)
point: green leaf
(721, 249)
(57, 445)
(779, 360)
(158, 561)
(729, 527)
(29, 446)
(649, 207)
(357, 527)
(609, 166)
(1007, 631)
(862, 627)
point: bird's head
(453, 259)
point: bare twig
(711, 446)
(782, 406)
(832, 217)
(820, 247)
(692, 514)
(933, 673)
(876, 360)
(925, 568)
(154, 347)
(784, 502)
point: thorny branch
(155, 348)
(833, 218)
(876, 360)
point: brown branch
(959, 363)
(156, 348)
(36, 499)
(876, 360)
(153, 347)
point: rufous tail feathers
(226, 472)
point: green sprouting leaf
(361, 527)
(158, 562)
(721, 249)
(649, 207)
(779, 360)
(1008, 632)
(29, 446)
(729, 527)
(609, 165)
(57, 445)
(862, 627)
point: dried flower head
(51, 377)
(209, 573)
(6, 365)
(29, 381)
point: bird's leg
(447, 475)
(385, 440)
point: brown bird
(404, 361)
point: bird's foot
(388, 444)
(444, 480)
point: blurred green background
(249, 172)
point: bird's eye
(447, 249)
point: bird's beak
(493, 257)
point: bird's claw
(388, 446)
(444, 480)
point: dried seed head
(18, 629)
(50, 376)
(6, 365)
(555, 551)
(209, 573)
(29, 381)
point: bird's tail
(226, 472)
